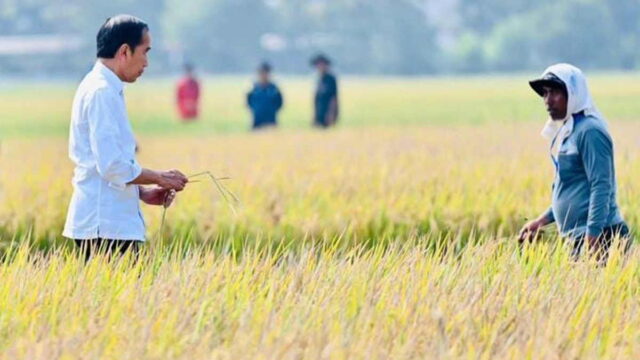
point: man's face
(134, 62)
(322, 67)
(555, 100)
(264, 76)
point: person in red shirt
(188, 95)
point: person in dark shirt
(264, 100)
(326, 98)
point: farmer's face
(134, 62)
(322, 67)
(556, 102)
(264, 76)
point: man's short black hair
(320, 58)
(265, 67)
(119, 30)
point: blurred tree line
(363, 36)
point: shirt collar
(111, 77)
(571, 123)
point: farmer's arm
(279, 101)
(547, 217)
(250, 99)
(197, 90)
(532, 227)
(332, 113)
(596, 151)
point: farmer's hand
(157, 196)
(172, 179)
(595, 247)
(530, 230)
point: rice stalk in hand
(227, 195)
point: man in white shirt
(104, 213)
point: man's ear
(124, 51)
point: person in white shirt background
(108, 183)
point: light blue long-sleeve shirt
(584, 189)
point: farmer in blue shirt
(264, 100)
(583, 201)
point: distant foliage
(367, 37)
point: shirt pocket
(124, 205)
(569, 166)
(128, 195)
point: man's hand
(332, 114)
(531, 230)
(172, 179)
(157, 196)
(594, 246)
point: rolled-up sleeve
(112, 163)
(597, 157)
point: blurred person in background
(583, 203)
(108, 183)
(188, 95)
(264, 100)
(326, 97)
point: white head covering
(579, 99)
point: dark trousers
(108, 247)
(619, 231)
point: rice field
(392, 236)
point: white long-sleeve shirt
(102, 147)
